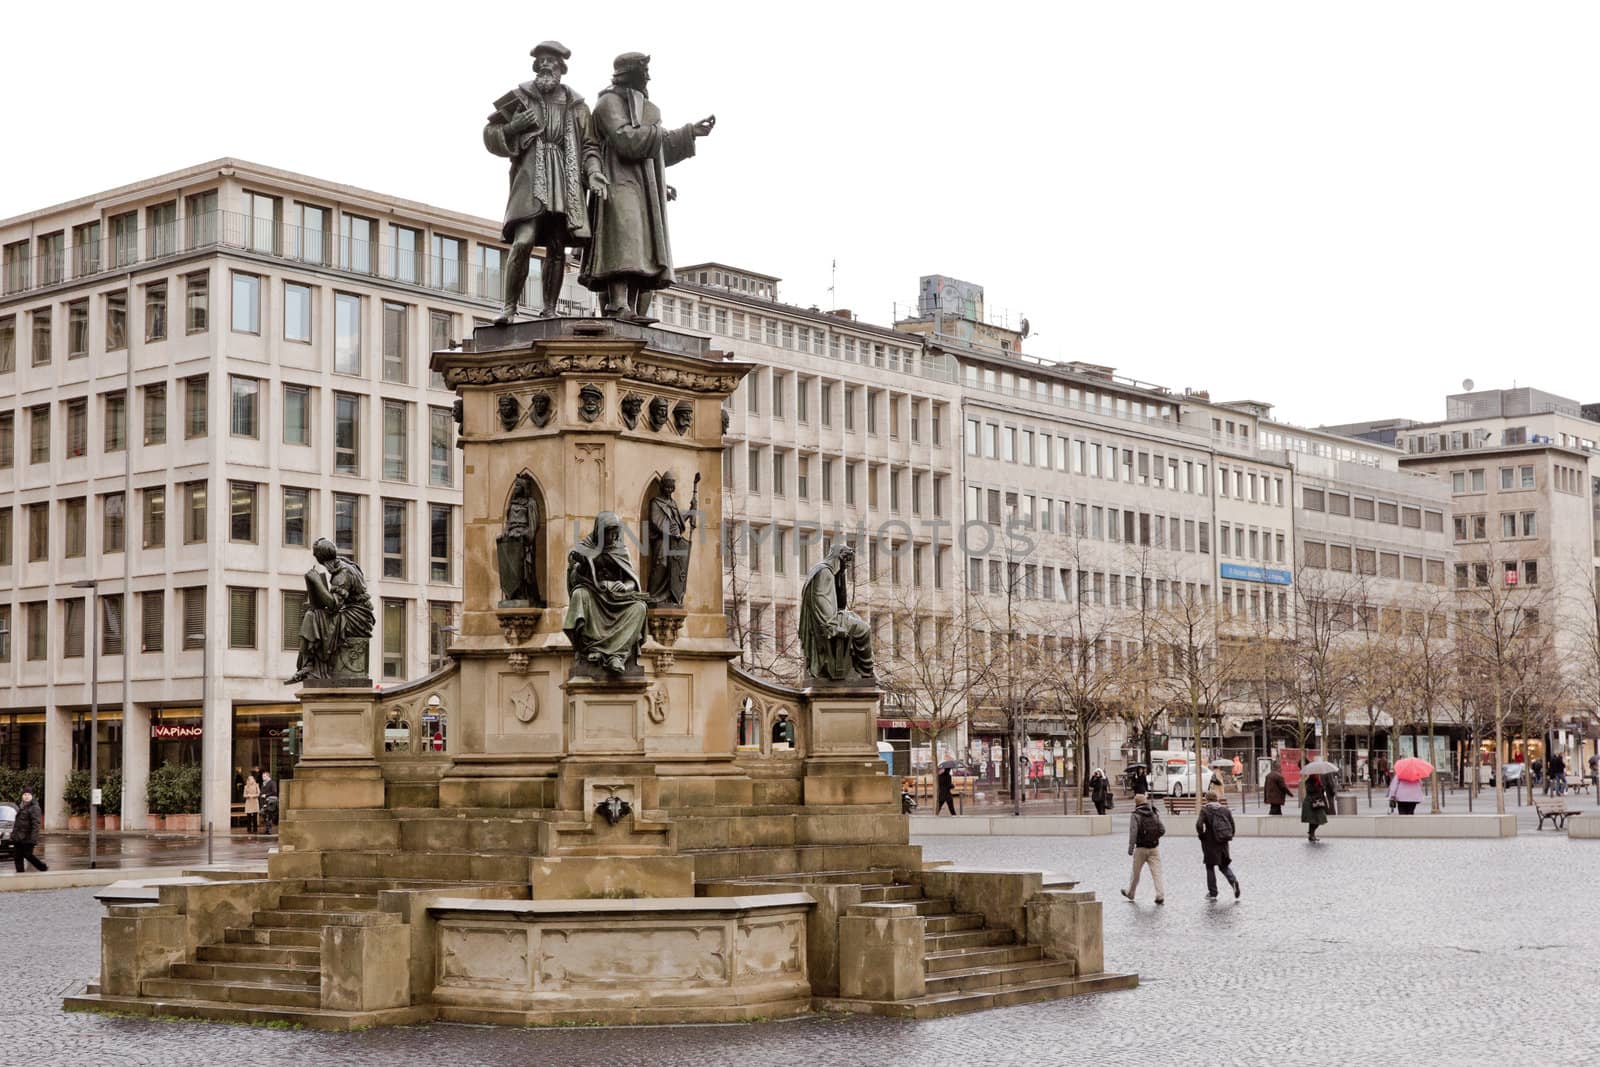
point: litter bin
(1344, 804)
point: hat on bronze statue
(553, 48)
(628, 61)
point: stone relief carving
(540, 408)
(631, 406)
(591, 402)
(525, 703)
(658, 705)
(510, 410)
(642, 369)
(658, 412)
(682, 417)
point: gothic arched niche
(520, 548)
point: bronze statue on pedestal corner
(545, 129)
(514, 548)
(337, 625)
(668, 537)
(629, 255)
(605, 607)
(837, 643)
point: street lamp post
(94, 713)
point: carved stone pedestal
(606, 717)
(338, 767)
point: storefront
(175, 734)
(110, 755)
(21, 739)
(266, 737)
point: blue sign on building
(1241, 573)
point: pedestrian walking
(1313, 805)
(1556, 775)
(1144, 845)
(1275, 791)
(945, 787)
(1215, 829)
(1100, 791)
(1138, 780)
(252, 803)
(269, 803)
(1405, 795)
(25, 832)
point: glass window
(297, 312)
(39, 434)
(242, 512)
(161, 228)
(195, 401)
(346, 523)
(116, 419)
(246, 303)
(394, 344)
(296, 415)
(155, 311)
(41, 336)
(441, 324)
(407, 251)
(394, 539)
(202, 212)
(8, 440)
(125, 239)
(38, 532)
(75, 527)
(396, 430)
(152, 620)
(72, 628)
(445, 268)
(347, 333)
(294, 613)
(439, 523)
(8, 344)
(312, 238)
(262, 219)
(197, 303)
(86, 249)
(194, 616)
(77, 329)
(346, 433)
(241, 618)
(394, 638)
(356, 239)
(155, 414)
(77, 428)
(194, 513)
(155, 516)
(17, 262)
(440, 431)
(296, 508)
(245, 407)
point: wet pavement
(1351, 951)
(70, 851)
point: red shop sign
(173, 732)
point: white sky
(1341, 208)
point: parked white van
(1172, 773)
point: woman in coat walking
(1313, 805)
(1405, 795)
(1215, 827)
(1100, 791)
(1275, 791)
(252, 802)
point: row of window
(244, 624)
(245, 520)
(1371, 562)
(1014, 510)
(1030, 581)
(1045, 391)
(764, 546)
(1252, 542)
(47, 265)
(1253, 602)
(1473, 480)
(1513, 524)
(1371, 509)
(1512, 572)
(41, 321)
(246, 418)
(779, 333)
(915, 490)
(1035, 448)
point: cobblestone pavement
(1352, 951)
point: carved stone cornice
(685, 373)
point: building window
(77, 428)
(152, 620)
(125, 239)
(262, 220)
(86, 250)
(242, 512)
(297, 313)
(394, 344)
(202, 212)
(294, 613)
(394, 539)
(74, 523)
(194, 513)
(41, 336)
(197, 302)
(155, 414)
(241, 617)
(194, 617)
(5, 633)
(440, 431)
(441, 620)
(116, 320)
(245, 407)
(296, 508)
(347, 333)
(356, 239)
(39, 434)
(246, 303)
(394, 638)
(439, 523)
(312, 237)
(196, 397)
(5, 537)
(346, 523)
(396, 434)
(296, 415)
(77, 329)
(72, 628)
(407, 251)
(346, 433)
(155, 516)
(17, 261)
(155, 312)
(8, 344)
(113, 523)
(445, 267)
(38, 632)
(441, 325)
(8, 440)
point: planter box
(77, 822)
(109, 822)
(183, 824)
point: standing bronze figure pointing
(545, 129)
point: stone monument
(337, 625)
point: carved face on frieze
(510, 410)
(632, 404)
(539, 409)
(591, 400)
(682, 416)
(658, 412)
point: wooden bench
(1555, 809)
(1186, 805)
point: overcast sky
(1341, 208)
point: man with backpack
(1144, 845)
(1215, 827)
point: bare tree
(927, 668)
(1327, 604)
(766, 648)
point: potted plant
(189, 797)
(111, 801)
(76, 794)
(161, 795)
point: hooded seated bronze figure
(605, 606)
(837, 643)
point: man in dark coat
(25, 832)
(630, 256)
(269, 803)
(545, 129)
(1145, 831)
(1275, 790)
(1215, 829)
(945, 790)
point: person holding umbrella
(1100, 791)
(1405, 790)
(1314, 796)
(945, 789)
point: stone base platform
(1010, 825)
(1584, 826)
(1391, 826)
(251, 1014)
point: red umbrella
(1412, 769)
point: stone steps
(327, 902)
(253, 1014)
(487, 866)
(282, 917)
(256, 973)
(972, 978)
(878, 894)
(982, 937)
(232, 992)
(277, 936)
(965, 959)
(953, 922)
(270, 954)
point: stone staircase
(269, 972)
